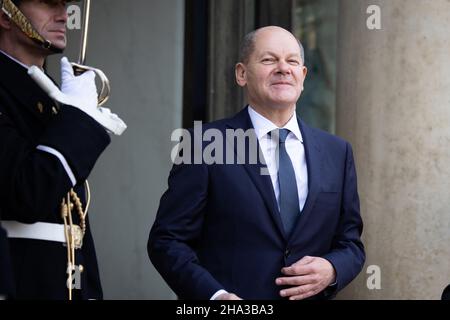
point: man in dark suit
(446, 293)
(47, 151)
(286, 226)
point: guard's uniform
(6, 275)
(45, 150)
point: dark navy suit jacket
(218, 226)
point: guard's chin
(61, 44)
(54, 50)
(59, 47)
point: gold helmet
(10, 8)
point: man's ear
(241, 74)
(305, 72)
(5, 21)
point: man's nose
(61, 15)
(284, 67)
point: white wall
(139, 45)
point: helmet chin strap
(11, 10)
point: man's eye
(294, 62)
(268, 60)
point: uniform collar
(15, 60)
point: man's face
(274, 73)
(49, 18)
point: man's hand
(80, 92)
(307, 277)
(228, 296)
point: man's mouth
(60, 32)
(281, 83)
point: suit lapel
(314, 167)
(262, 182)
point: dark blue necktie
(288, 200)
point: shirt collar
(263, 125)
(15, 60)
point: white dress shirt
(295, 149)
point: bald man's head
(249, 41)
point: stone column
(393, 105)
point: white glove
(80, 92)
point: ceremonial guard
(50, 140)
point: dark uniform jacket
(33, 182)
(6, 275)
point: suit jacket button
(287, 253)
